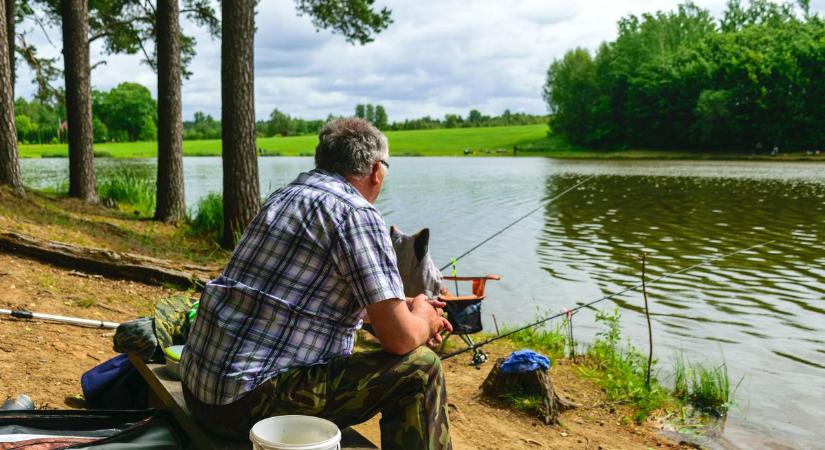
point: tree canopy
(681, 79)
(128, 111)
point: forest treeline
(752, 80)
(128, 113)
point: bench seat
(169, 394)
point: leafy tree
(370, 113)
(128, 110)
(474, 117)
(360, 111)
(381, 118)
(25, 127)
(203, 126)
(99, 130)
(278, 123)
(452, 120)
(682, 80)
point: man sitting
(275, 331)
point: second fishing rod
(607, 297)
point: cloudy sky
(439, 56)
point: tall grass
(548, 340)
(130, 185)
(705, 387)
(208, 219)
(621, 369)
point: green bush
(209, 216)
(130, 185)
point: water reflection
(763, 303)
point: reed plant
(129, 185)
(706, 388)
(208, 218)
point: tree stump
(531, 384)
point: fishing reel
(479, 358)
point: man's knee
(424, 363)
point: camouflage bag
(148, 336)
(138, 336)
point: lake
(763, 311)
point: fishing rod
(607, 297)
(543, 204)
(61, 319)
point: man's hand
(431, 310)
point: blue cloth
(524, 361)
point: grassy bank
(439, 142)
(619, 368)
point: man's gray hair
(350, 147)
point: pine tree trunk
(11, 11)
(170, 195)
(78, 98)
(241, 193)
(9, 161)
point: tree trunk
(241, 195)
(531, 384)
(171, 205)
(11, 13)
(9, 161)
(74, 14)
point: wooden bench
(167, 393)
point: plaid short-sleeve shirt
(294, 290)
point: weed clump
(549, 340)
(208, 220)
(621, 369)
(130, 185)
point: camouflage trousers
(407, 390)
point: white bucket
(295, 433)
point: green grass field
(531, 140)
(440, 142)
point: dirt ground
(45, 360)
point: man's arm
(401, 327)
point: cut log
(100, 261)
(499, 385)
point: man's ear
(375, 175)
(421, 243)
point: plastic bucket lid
(295, 433)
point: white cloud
(439, 56)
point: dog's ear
(393, 232)
(421, 243)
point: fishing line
(587, 305)
(543, 204)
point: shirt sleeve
(366, 258)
